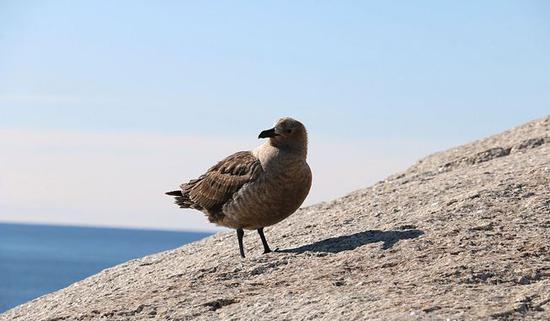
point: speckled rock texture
(461, 235)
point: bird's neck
(297, 148)
(270, 155)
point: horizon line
(112, 227)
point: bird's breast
(277, 193)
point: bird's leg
(240, 234)
(264, 241)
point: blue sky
(369, 78)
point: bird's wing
(213, 189)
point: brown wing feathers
(213, 189)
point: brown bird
(254, 189)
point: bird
(250, 190)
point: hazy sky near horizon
(104, 105)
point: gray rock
(464, 241)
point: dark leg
(264, 241)
(240, 234)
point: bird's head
(288, 133)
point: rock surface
(463, 234)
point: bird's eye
(288, 131)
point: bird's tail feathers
(181, 199)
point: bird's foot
(270, 251)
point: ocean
(38, 259)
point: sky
(105, 105)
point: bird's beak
(268, 133)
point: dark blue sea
(38, 259)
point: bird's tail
(182, 200)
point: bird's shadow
(353, 241)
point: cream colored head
(288, 134)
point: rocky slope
(463, 234)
